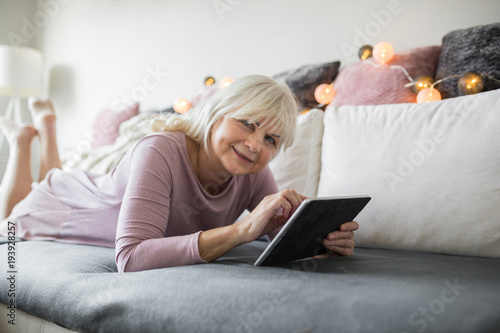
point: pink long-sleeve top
(165, 207)
(151, 206)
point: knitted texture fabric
(475, 49)
(304, 80)
(369, 83)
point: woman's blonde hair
(253, 98)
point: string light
(428, 95)
(365, 52)
(209, 81)
(421, 82)
(181, 105)
(471, 83)
(401, 68)
(424, 85)
(383, 52)
(225, 81)
(324, 93)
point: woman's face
(242, 147)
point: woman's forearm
(214, 243)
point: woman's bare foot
(42, 114)
(17, 133)
(44, 121)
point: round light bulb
(181, 105)
(324, 93)
(421, 82)
(209, 81)
(225, 81)
(470, 83)
(365, 52)
(383, 52)
(428, 95)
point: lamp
(20, 77)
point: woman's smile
(242, 156)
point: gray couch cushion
(77, 286)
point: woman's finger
(338, 250)
(340, 235)
(287, 207)
(347, 243)
(293, 198)
(349, 226)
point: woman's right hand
(271, 213)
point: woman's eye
(246, 122)
(270, 139)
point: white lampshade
(21, 71)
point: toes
(39, 105)
(42, 113)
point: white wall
(11, 21)
(100, 50)
(11, 14)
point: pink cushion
(107, 123)
(361, 83)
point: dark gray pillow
(304, 80)
(476, 49)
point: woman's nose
(253, 143)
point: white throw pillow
(298, 167)
(433, 171)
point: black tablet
(302, 235)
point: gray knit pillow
(304, 80)
(475, 49)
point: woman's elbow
(121, 265)
(122, 259)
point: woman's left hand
(341, 242)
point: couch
(427, 255)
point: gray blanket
(375, 290)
